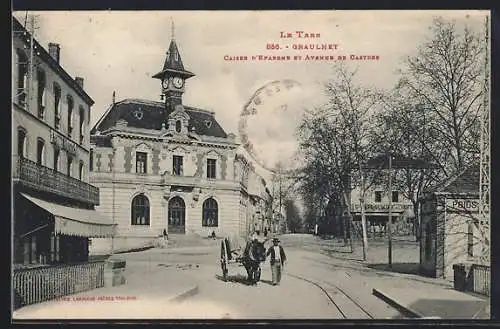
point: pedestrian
(165, 237)
(277, 261)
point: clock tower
(173, 77)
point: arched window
(22, 144)
(56, 158)
(57, 105)
(41, 94)
(69, 169)
(71, 105)
(178, 126)
(40, 152)
(210, 213)
(140, 210)
(80, 171)
(82, 121)
(22, 77)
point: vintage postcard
(251, 165)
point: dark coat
(270, 251)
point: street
(314, 286)
(321, 280)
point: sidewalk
(434, 302)
(148, 293)
(376, 289)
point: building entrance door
(176, 216)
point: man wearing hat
(277, 261)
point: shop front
(47, 233)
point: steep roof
(467, 181)
(45, 56)
(150, 115)
(173, 63)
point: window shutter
(44, 97)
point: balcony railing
(37, 285)
(46, 179)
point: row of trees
(432, 113)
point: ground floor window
(210, 213)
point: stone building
(53, 203)
(451, 230)
(168, 166)
(377, 211)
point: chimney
(54, 51)
(79, 81)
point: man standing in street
(277, 261)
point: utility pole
(114, 201)
(363, 217)
(279, 182)
(389, 222)
(29, 81)
(485, 166)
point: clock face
(178, 82)
(165, 83)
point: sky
(120, 51)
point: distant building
(376, 208)
(53, 204)
(451, 227)
(168, 166)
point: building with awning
(70, 221)
(53, 203)
(376, 209)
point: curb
(186, 294)
(397, 305)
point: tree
(283, 184)
(445, 76)
(432, 113)
(293, 218)
(335, 139)
(402, 130)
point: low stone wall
(120, 244)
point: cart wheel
(223, 261)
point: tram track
(341, 308)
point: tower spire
(172, 28)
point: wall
(456, 222)
(28, 119)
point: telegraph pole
(485, 166)
(389, 222)
(363, 217)
(114, 199)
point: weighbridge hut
(451, 230)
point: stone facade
(50, 143)
(178, 161)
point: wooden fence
(481, 279)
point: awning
(76, 221)
(409, 213)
